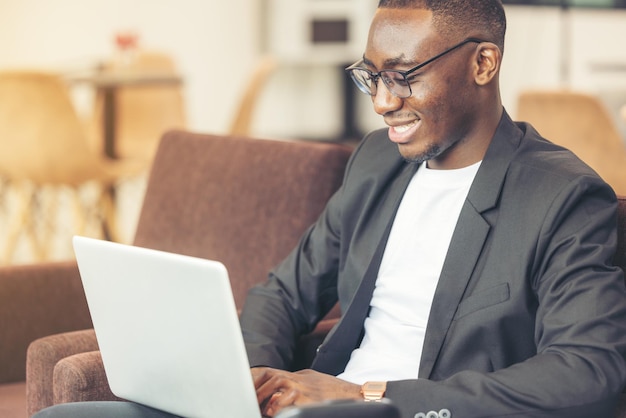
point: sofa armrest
(37, 300)
(42, 358)
(81, 378)
(68, 368)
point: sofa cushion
(81, 377)
(43, 355)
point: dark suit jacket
(529, 315)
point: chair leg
(44, 206)
(22, 220)
(99, 208)
(4, 188)
(4, 207)
(109, 213)
(79, 216)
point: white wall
(216, 42)
(212, 41)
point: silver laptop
(168, 330)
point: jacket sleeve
(289, 305)
(580, 327)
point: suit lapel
(468, 240)
(335, 352)
(464, 250)
(359, 307)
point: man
(470, 257)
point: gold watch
(373, 391)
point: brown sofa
(243, 201)
(56, 375)
(81, 377)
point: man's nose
(384, 101)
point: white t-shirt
(409, 272)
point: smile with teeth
(404, 128)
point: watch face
(376, 386)
(373, 391)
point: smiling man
(471, 257)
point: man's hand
(277, 389)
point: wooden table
(108, 83)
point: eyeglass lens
(395, 81)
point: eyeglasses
(396, 81)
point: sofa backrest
(242, 201)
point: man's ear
(488, 60)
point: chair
(244, 202)
(581, 123)
(143, 111)
(244, 115)
(43, 145)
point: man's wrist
(373, 391)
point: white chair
(43, 145)
(580, 122)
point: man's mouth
(403, 128)
(402, 133)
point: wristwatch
(373, 391)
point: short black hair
(469, 17)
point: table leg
(109, 194)
(109, 122)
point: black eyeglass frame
(375, 76)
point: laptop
(168, 330)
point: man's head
(483, 18)
(448, 53)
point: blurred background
(217, 47)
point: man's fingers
(281, 400)
(259, 375)
(269, 383)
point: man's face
(436, 120)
